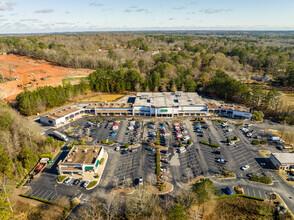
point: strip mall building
(157, 104)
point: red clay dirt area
(30, 73)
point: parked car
(150, 148)
(216, 152)
(134, 149)
(86, 183)
(221, 160)
(245, 167)
(229, 191)
(67, 180)
(164, 151)
(249, 175)
(76, 182)
(124, 152)
(112, 133)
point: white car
(229, 130)
(140, 180)
(67, 180)
(86, 183)
(232, 143)
(245, 167)
(186, 138)
(116, 149)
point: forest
(219, 64)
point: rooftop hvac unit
(85, 150)
(95, 150)
(65, 109)
(69, 107)
(76, 150)
(54, 113)
(59, 111)
(68, 160)
(144, 96)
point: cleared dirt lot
(29, 73)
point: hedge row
(38, 199)
(240, 195)
(210, 144)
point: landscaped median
(106, 142)
(226, 175)
(210, 144)
(60, 179)
(92, 185)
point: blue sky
(26, 16)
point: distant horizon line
(148, 30)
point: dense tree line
(43, 98)
(241, 54)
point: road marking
(48, 197)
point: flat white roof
(168, 99)
(284, 158)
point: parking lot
(241, 153)
(123, 168)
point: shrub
(91, 184)
(214, 145)
(239, 124)
(255, 178)
(258, 115)
(161, 187)
(85, 115)
(110, 143)
(96, 176)
(50, 156)
(103, 141)
(181, 144)
(76, 126)
(255, 142)
(69, 132)
(73, 144)
(83, 143)
(204, 142)
(101, 161)
(61, 178)
(266, 180)
(127, 145)
(157, 142)
(177, 212)
(263, 142)
(236, 138)
(229, 140)
(189, 141)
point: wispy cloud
(130, 10)
(30, 20)
(214, 11)
(96, 4)
(178, 8)
(189, 2)
(45, 11)
(171, 19)
(6, 5)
